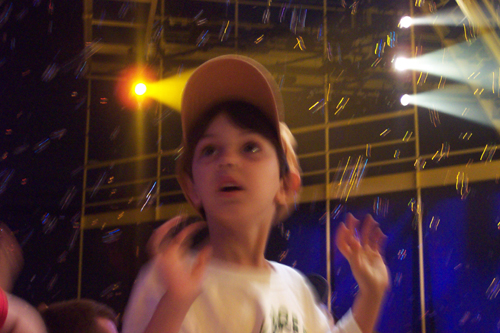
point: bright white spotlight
(140, 89)
(405, 22)
(406, 99)
(401, 63)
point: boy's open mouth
(230, 188)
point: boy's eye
(251, 147)
(208, 151)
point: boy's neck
(240, 249)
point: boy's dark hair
(76, 316)
(245, 116)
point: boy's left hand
(363, 253)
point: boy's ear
(189, 190)
(290, 184)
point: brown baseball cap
(230, 78)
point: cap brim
(230, 78)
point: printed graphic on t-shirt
(282, 321)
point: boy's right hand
(181, 271)
(11, 258)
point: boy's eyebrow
(207, 136)
(245, 131)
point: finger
(351, 223)
(188, 232)
(158, 236)
(9, 244)
(381, 240)
(368, 232)
(201, 261)
(343, 240)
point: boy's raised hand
(11, 258)
(180, 269)
(363, 252)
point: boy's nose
(227, 159)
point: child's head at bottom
(238, 159)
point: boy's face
(235, 174)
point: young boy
(239, 171)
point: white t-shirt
(239, 299)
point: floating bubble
(198, 15)
(260, 39)
(412, 204)
(67, 198)
(354, 7)
(348, 176)
(329, 52)
(80, 103)
(202, 39)
(124, 10)
(434, 224)
(293, 21)
(98, 183)
(488, 152)
(52, 282)
(148, 196)
(73, 238)
(493, 289)
(201, 22)
(4, 17)
(319, 105)
(266, 16)
(158, 29)
(380, 206)
(282, 255)
(401, 254)
(407, 136)
(21, 149)
(368, 150)
(337, 211)
(49, 222)
(103, 100)
(319, 35)
(5, 178)
(112, 236)
(462, 185)
(81, 69)
(115, 132)
(22, 14)
(302, 18)
(465, 136)
(112, 290)
(58, 134)
(50, 72)
(464, 318)
(300, 43)
(75, 220)
(385, 132)
(283, 10)
(397, 279)
(434, 117)
(62, 257)
(341, 104)
(41, 146)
